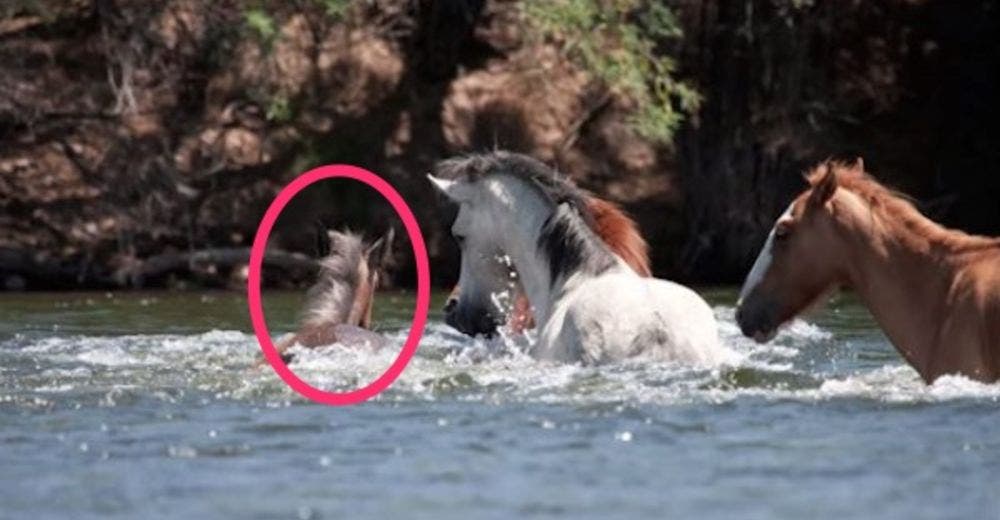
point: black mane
(567, 238)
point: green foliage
(279, 109)
(260, 19)
(261, 23)
(618, 41)
(335, 9)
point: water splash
(109, 370)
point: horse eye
(460, 239)
(781, 232)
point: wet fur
(338, 305)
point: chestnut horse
(934, 291)
(609, 223)
(339, 304)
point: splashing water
(126, 386)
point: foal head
(802, 258)
(348, 277)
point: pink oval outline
(423, 284)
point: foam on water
(226, 365)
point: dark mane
(567, 238)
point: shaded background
(136, 134)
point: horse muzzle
(756, 322)
(470, 321)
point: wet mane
(567, 237)
(330, 299)
(896, 209)
(621, 234)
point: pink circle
(423, 285)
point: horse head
(800, 261)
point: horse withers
(934, 291)
(339, 305)
(589, 305)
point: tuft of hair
(896, 208)
(329, 300)
(621, 234)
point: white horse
(589, 305)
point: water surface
(153, 405)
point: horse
(339, 305)
(611, 225)
(934, 291)
(590, 306)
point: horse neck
(361, 308)
(519, 213)
(904, 287)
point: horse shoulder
(359, 337)
(985, 278)
(308, 336)
(573, 331)
(315, 335)
(559, 338)
(968, 341)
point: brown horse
(339, 304)
(934, 291)
(613, 227)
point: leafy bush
(619, 42)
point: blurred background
(141, 141)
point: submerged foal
(339, 304)
(934, 291)
(590, 306)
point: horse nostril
(450, 304)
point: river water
(153, 406)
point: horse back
(621, 315)
(313, 336)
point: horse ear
(825, 187)
(380, 251)
(859, 164)
(445, 186)
(337, 240)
